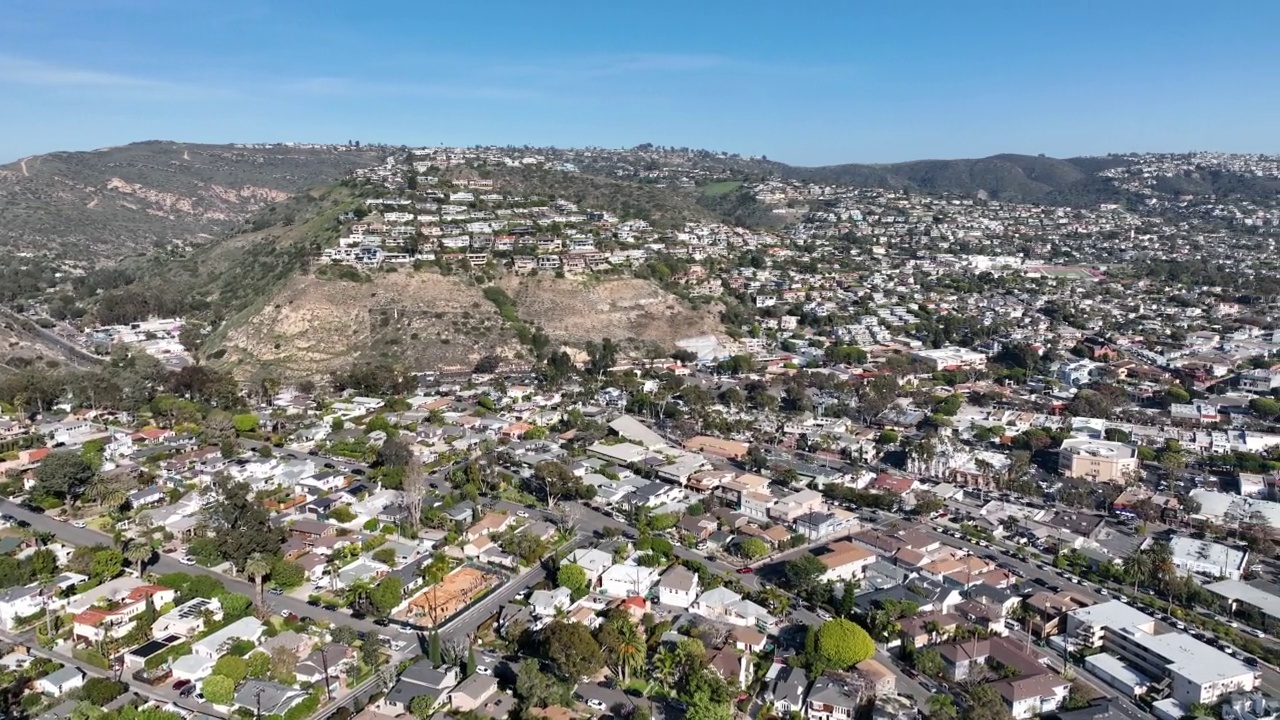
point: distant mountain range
(1024, 178)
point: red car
(746, 570)
(181, 684)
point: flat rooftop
(1267, 602)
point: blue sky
(803, 82)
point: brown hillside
(429, 321)
(578, 311)
(424, 320)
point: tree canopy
(571, 650)
(843, 643)
(63, 475)
(239, 526)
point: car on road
(187, 560)
(746, 570)
(285, 613)
(405, 629)
(358, 615)
(382, 622)
(181, 684)
(522, 513)
(824, 614)
(188, 691)
(276, 591)
(596, 704)
(313, 603)
(199, 695)
(80, 524)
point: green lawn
(721, 188)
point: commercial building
(1209, 559)
(1256, 602)
(1181, 668)
(1097, 460)
(952, 358)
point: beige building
(1097, 460)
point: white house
(216, 644)
(627, 580)
(19, 602)
(678, 587)
(546, 603)
(728, 606)
(188, 618)
(594, 562)
(60, 682)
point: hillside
(664, 207)
(112, 203)
(428, 321)
(1024, 178)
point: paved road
(163, 693)
(87, 536)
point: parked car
(80, 524)
(746, 570)
(188, 691)
(276, 591)
(187, 560)
(181, 684)
(596, 704)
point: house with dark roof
(789, 690)
(420, 679)
(263, 697)
(835, 697)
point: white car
(595, 704)
(186, 560)
(522, 513)
(405, 629)
(484, 670)
(80, 523)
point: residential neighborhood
(955, 458)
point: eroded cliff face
(211, 202)
(428, 321)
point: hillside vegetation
(87, 207)
(1024, 178)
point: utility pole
(324, 665)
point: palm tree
(941, 707)
(628, 652)
(257, 567)
(933, 627)
(1138, 567)
(105, 492)
(777, 600)
(358, 594)
(665, 664)
(138, 552)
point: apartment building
(1183, 668)
(1097, 460)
